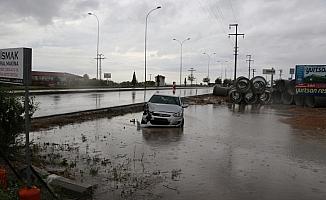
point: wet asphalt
(52, 104)
(223, 152)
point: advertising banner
(15, 65)
(311, 80)
(107, 75)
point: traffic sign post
(271, 72)
(107, 76)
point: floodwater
(72, 102)
(222, 152)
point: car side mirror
(185, 105)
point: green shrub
(12, 119)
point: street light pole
(181, 45)
(98, 38)
(158, 7)
(209, 60)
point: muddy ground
(223, 152)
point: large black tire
(290, 87)
(280, 85)
(315, 101)
(266, 97)
(220, 91)
(299, 100)
(242, 84)
(235, 96)
(276, 97)
(250, 97)
(182, 124)
(286, 98)
(258, 84)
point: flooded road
(221, 153)
(72, 102)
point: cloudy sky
(278, 33)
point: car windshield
(165, 100)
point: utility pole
(191, 77)
(253, 72)
(150, 77)
(249, 61)
(100, 58)
(281, 71)
(236, 34)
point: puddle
(222, 152)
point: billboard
(269, 71)
(310, 80)
(107, 75)
(15, 66)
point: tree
(227, 82)
(12, 118)
(85, 76)
(218, 81)
(134, 80)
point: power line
(236, 34)
(235, 18)
(216, 16)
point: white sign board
(107, 75)
(15, 65)
(269, 71)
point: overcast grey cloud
(278, 33)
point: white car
(163, 110)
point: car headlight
(178, 114)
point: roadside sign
(311, 80)
(15, 66)
(269, 71)
(107, 75)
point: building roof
(57, 74)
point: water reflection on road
(72, 102)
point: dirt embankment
(205, 99)
(78, 117)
